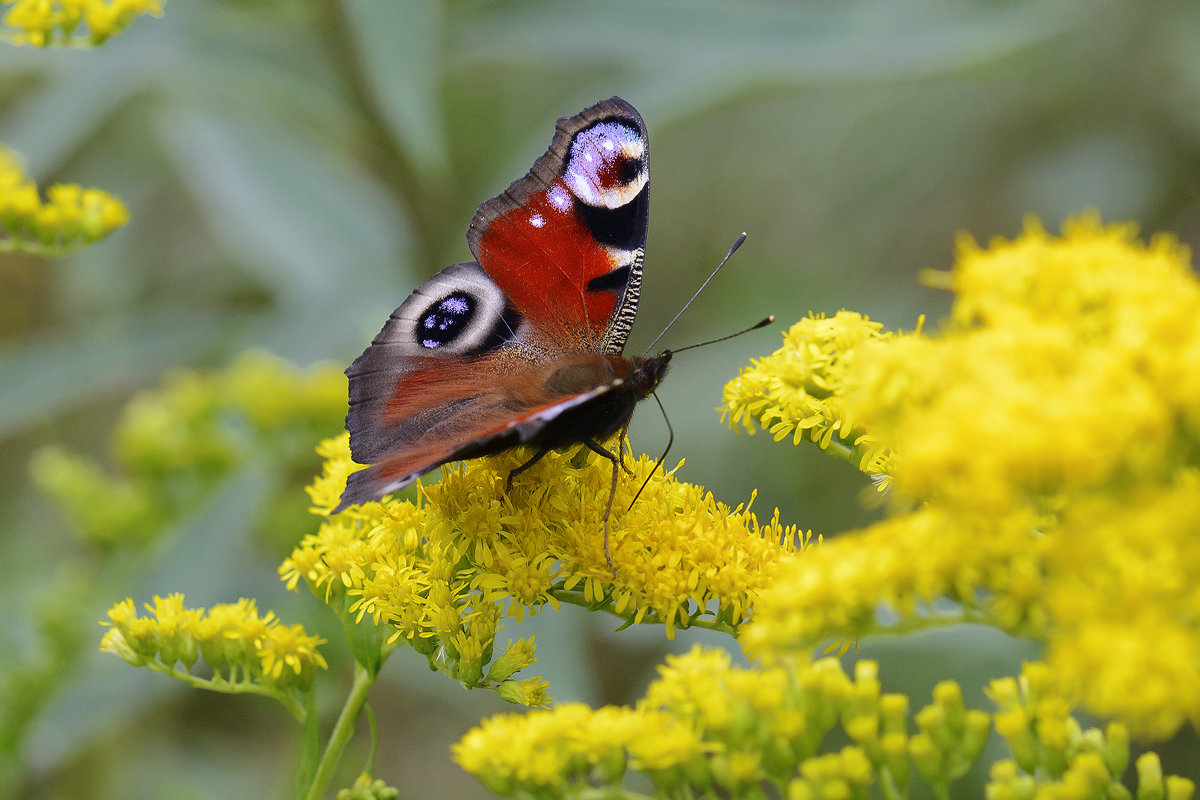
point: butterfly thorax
(583, 372)
(615, 384)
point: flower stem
(342, 731)
(577, 598)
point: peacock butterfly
(522, 346)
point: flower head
(799, 390)
(74, 23)
(1044, 471)
(244, 650)
(707, 727)
(70, 216)
(680, 555)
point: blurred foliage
(293, 169)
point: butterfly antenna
(663, 457)
(736, 244)
(762, 323)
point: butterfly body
(524, 345)
(626, 382)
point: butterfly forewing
(566, 242)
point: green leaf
(44, 378)
(399, 45)
(298, 215)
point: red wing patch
(543, 257)
(565, 243)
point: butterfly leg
(536, 458)
(612, 492)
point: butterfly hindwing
(427, 360)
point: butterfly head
(647, 372)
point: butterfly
(523, 346)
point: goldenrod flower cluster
(367, 788)
(246, 651)
(1044, 461)
(72, 23)
(441, 574)
(1046, 741)
(174, 441)
(70, 216)
(707, 728)
(798, 390)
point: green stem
(226, 686)
(374, 741)
(839, 449)
(576, 598)
(33, 248)
(342, 731)
(887, 783)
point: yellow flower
(558, 748)
(799, 389)
(681, 557)
(530, 692)
(245, 650)
(70, 217)
(1043, 455)
(707, 727)
(518, 656)
(221, 633)
(1083, 342)
(289, 656)
(904, 563)
(72, 23)
(843, 774)
(662, 743)
(1125, 603)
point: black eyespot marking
(609, 281)
(445, 320)
(629, 169)
(624, 226)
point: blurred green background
(293, 169)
